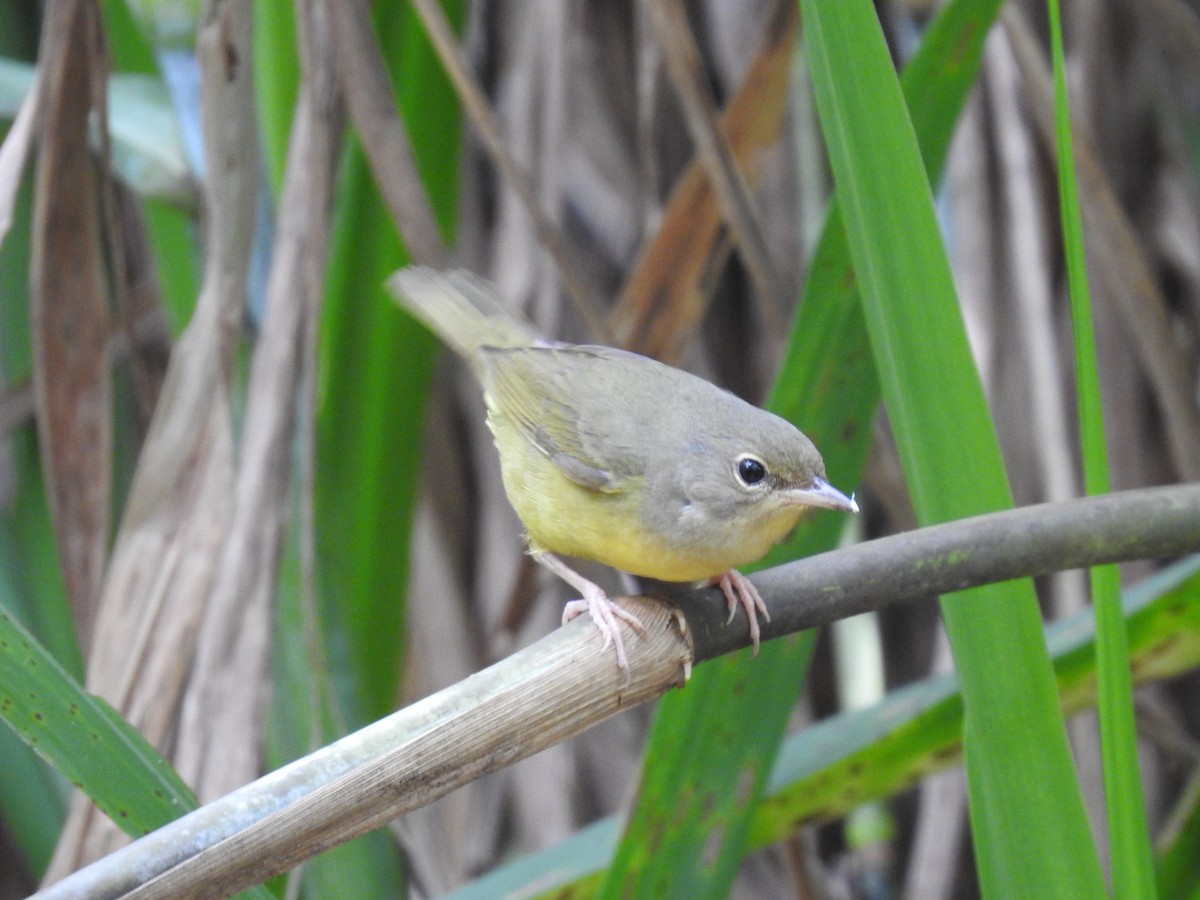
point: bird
(611, 456)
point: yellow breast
(613, 528)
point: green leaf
(873, 753)
(276, 81)
(1030, 829)
(33, 798)
(1128, 833)
(376, 365)
(1177, 875)
(84, 738)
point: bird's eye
(751, 470)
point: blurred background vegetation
(228, 462)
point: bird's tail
(461, 309)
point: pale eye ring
(750, 470)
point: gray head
(766, 464)
(739, 490)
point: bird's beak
(820, 492)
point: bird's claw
(605, 613)
(740, 591)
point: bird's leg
(604, 612)
(738, 589)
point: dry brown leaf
(224, 714)
(715, 152)
(70, 309)
(662, 302)
(141, 336)
(157, 585)
(480, 113)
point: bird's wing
(543, 391)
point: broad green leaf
(84, 738)
(1028, 822)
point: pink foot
(738, 589)
(596, 603)
(604, 613)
